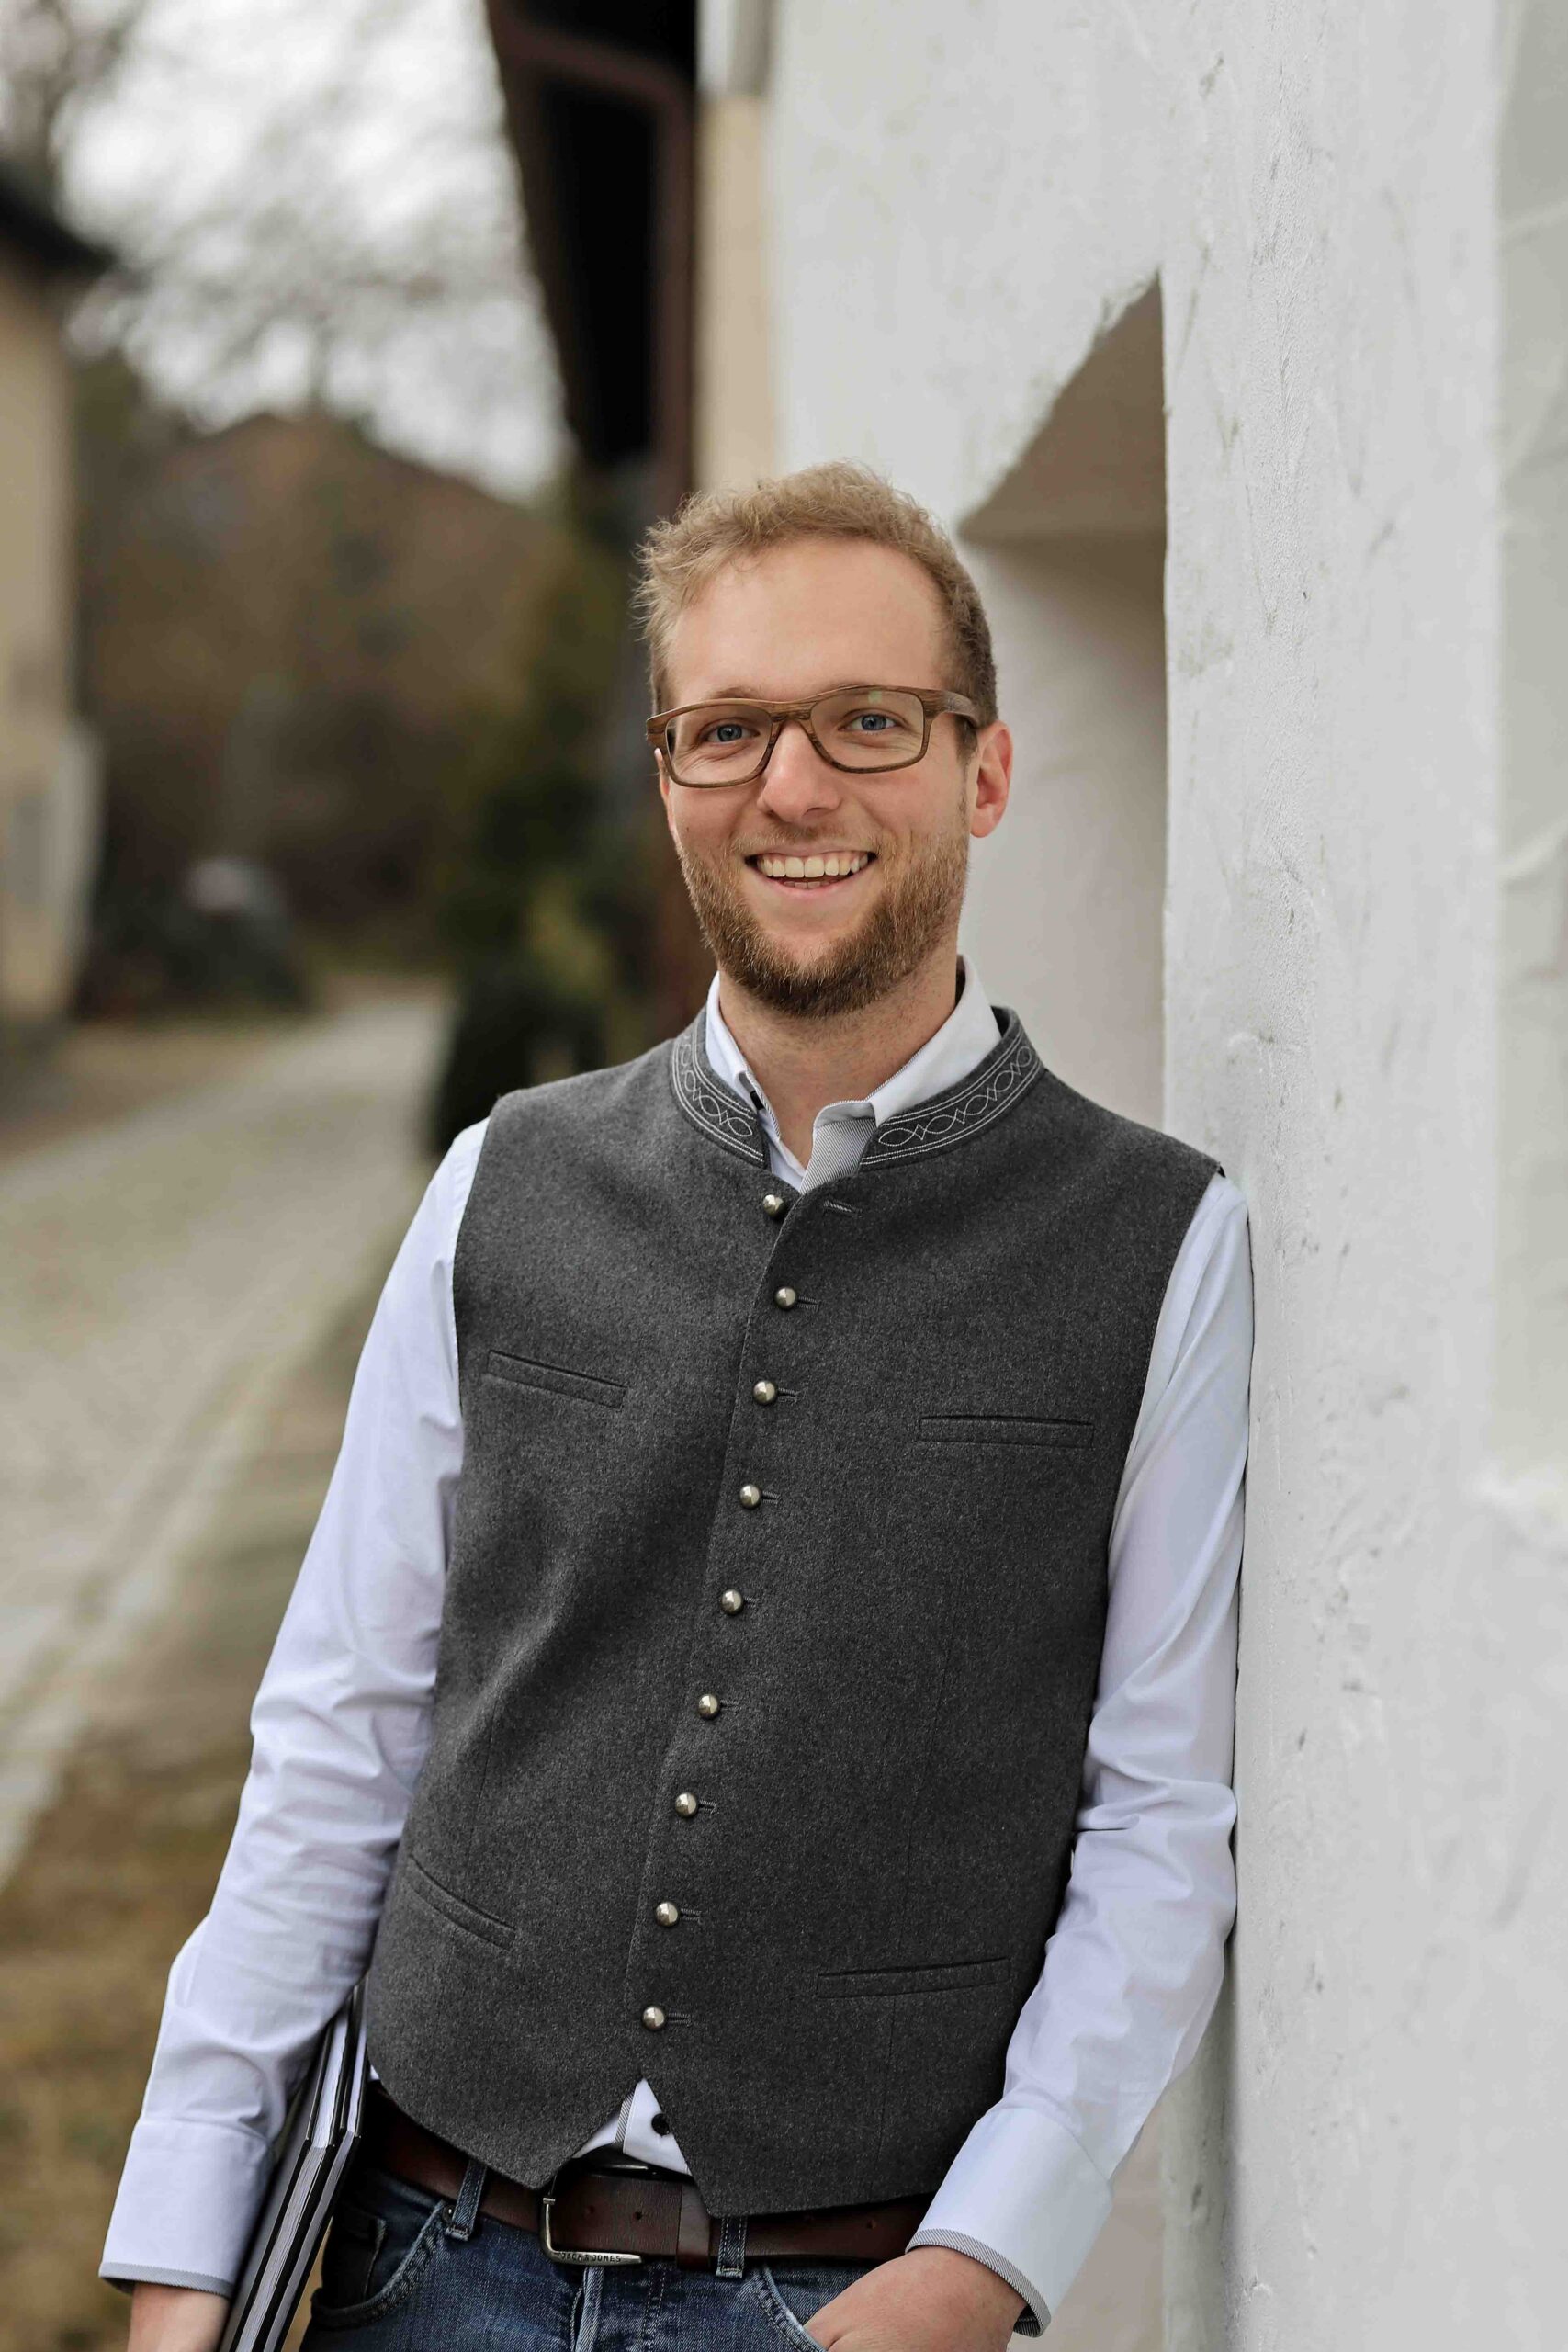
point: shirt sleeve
(340, 1727)
(1133, 1969)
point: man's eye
(724, 733)
(872, 722)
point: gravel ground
(195, 1223)
(121, 1864)
(159, 1275)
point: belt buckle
(584, 2257)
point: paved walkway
(159, 1279)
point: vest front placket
(678, 1934)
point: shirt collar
(962, 1043)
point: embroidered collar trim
(1011, 1065)
(708, 1102)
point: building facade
(1233, 343)
(48, 781)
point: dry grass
(122, 1866)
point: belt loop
(732, 2260)
(465, 2214)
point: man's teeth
(813, 869)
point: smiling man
(763, 1677)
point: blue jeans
(394, 2279)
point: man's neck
(802, 1064)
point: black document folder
(318, 2139)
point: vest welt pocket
(522, 1374)
(453, 1908)
(1002, 1429)
(932, 1977)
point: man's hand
(932, 2298)
(174, 2319)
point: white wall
(1331, 1006)
(965, 197)
(1062, 914)
(1064, 910)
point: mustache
(805, 841)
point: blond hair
(679, 556)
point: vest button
(764, 1392)
(750, 1495)
(774, 1202)
(653, 2015)
(685, 1804)
(731, 1602)
(783, 1295)
(666, 1914)
(707, 1704)
(660, 2124)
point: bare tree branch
(307, 203)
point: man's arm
(340, 1727)
(1132, 1969)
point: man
(763, 1677)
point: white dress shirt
(340, 1726)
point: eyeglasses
(858, 729)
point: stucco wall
(1063, 911)
(965, 197)
(1332, 1013)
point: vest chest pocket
(452, 1908)
(1003, 1429)
(519, 1372)
(926, 1977)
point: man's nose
(797, 779)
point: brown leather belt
(595, 2211)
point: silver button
(750, 1495)
(764, 1392)
(731, 1602)
(783, 1295)
(774, 1202)
(666, 1914)
(685, 1804)
(707, 1704)
(653, 2015)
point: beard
(899, 932)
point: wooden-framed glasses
(861, 730)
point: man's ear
(992, 779)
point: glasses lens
(717, 742)
(876, 727)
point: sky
(319, 195)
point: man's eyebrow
(750, 693)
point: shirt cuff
(126, 2280)
(1021, 2197)
(189, 2198)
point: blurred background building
(363, 423)
(48, 768)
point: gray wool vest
(773, 1619)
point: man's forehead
(806, 617)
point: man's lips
(813, 872)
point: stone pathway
(159, 1279)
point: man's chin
(803, 962)
(822, 983)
